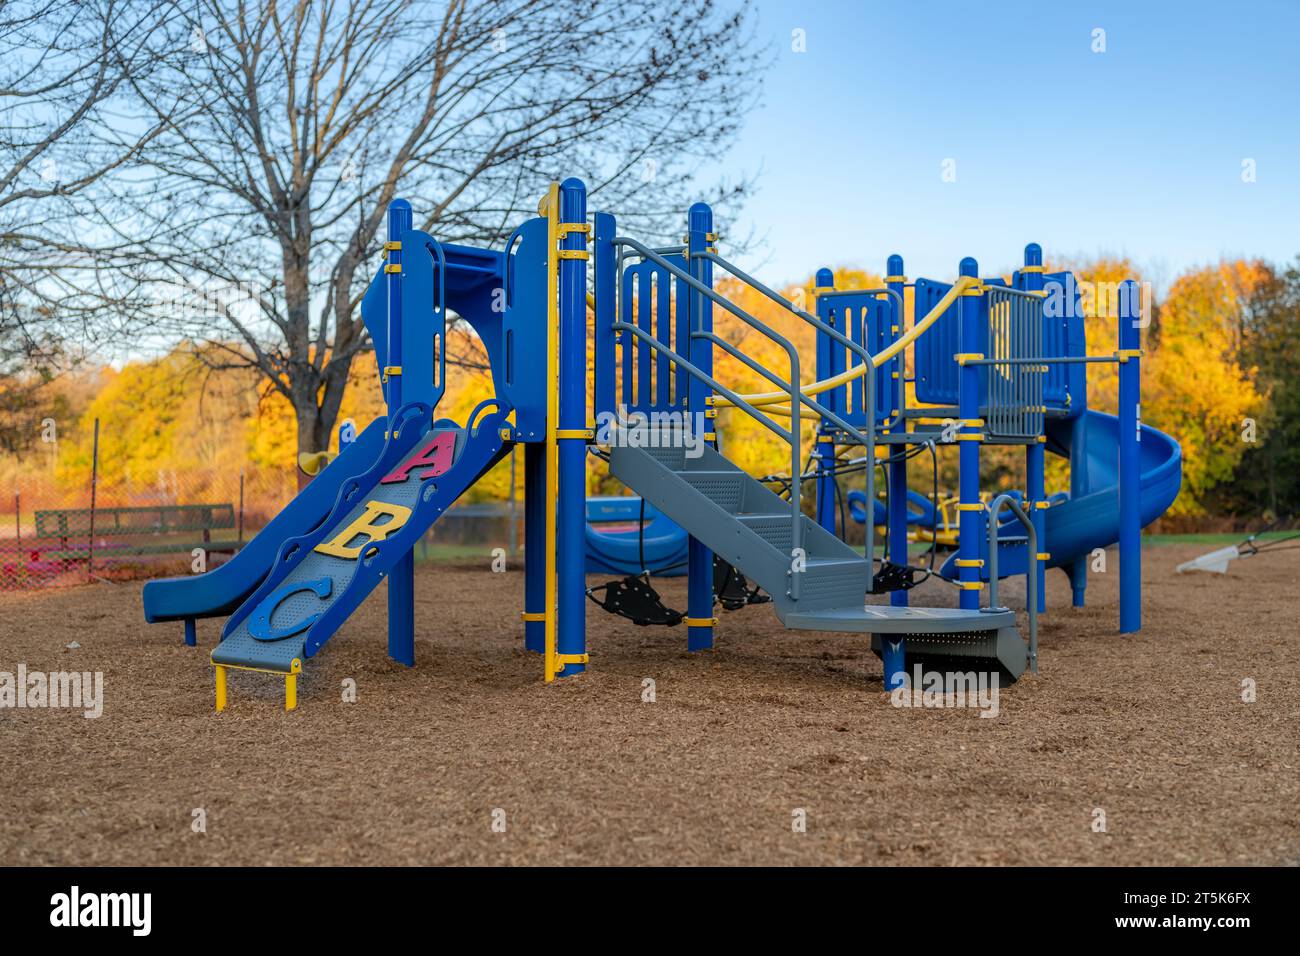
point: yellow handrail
(916, 331)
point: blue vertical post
(1035, 453)
(824, 450)
(571, 520)
(606, 276)
(699, 559)
(1130, 437)
(971, 526)
(1076, 346)
(535, 505)
(895, 280)
(401, 579)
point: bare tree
(64, 127)
(301, 121)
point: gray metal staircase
(746, 524)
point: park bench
(135, 532)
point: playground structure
(992, 362)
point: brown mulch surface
(1151, 729)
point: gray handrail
(1031, 569)
(704, 377)
(781, 300)
(796, 511)
(780, 383)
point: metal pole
(897, 517)
(1035, 455)
(401, 580)
(699, 559)
(824, 449)
(571, 520)
(514, 532)
(1130, 437)
(94, 483)
(970, 342)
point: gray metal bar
(1046, 360)
(707, 379)
(781, 300)
(796, 395)
(781, 384)
(1031, 568)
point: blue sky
(1135, 151)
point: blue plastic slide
(224, 588)
(616, 542)
(1078, 525)
(319, 578)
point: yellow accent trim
(505, 434)
(971, 586)
(710, 413)
(825, 438)
(391, 370)
(393, 245)
(1125, 354)
(961, 358)
(710, 436)
(823, 289)
(1042, 439)
(290, 681)
(1042, 504)
(567, 227)
(701, 621)
(532, 616)
(574, 254)
(877, 360)
(313, 462)
(1032, 269)
(563, 659)
(974, 289)
(977, 507)
(893, 375)
(970, 562)
(591, 302)
(1044, 556)
(550, 208)
(889, 279)
(970, 436)
(392, 267)
(708, 400)
(583, 433)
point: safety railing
(1031, 568)
(790, 388)
(1014, 406)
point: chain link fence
(58, 528)
(63, 527)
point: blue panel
(647, 301)
(520, 373)
(867, 320)
(935, 370)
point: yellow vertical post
(290, 691)
(221, 688)
(551, 209)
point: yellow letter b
(365, 527)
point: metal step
(1000, 650)
(723, 488)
